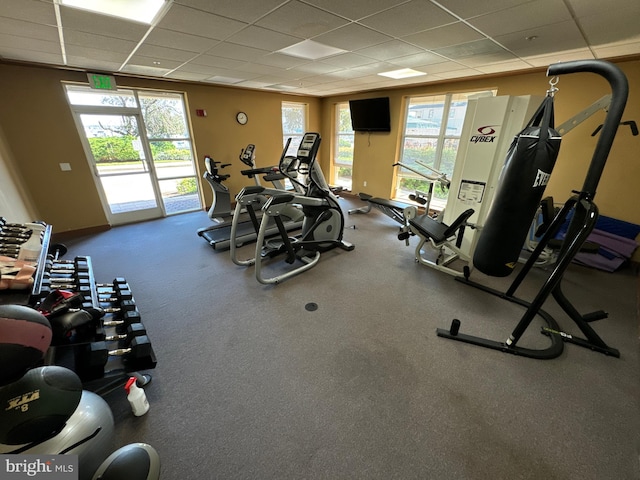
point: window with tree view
(294, 124)
(431, 135)
(343, 147)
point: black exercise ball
(25, 336)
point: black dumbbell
(96, 354)
(128, 318)
(115, 285)
(120, 296)
(119, 284)
(122, 308)
(133, 330)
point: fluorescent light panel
(311, 50)
(402, 73)
(136, 10)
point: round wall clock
(242, 118)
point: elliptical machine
(323, 223)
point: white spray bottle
(137, 398)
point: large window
(431, 135)
(294, 124)
(343, 147)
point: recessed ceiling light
(402, 73)
(137, 10)
(310, 50)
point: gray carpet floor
(251, 385)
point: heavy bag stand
(585, 214)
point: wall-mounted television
(370, 115)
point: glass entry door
(121, 164)
(139, 145)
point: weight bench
(391, 208)
(441, 237)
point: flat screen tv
(370, 115)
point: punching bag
(524, 176)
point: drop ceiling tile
(280, 60)
(105, 25)
(374, 68)
(585, 8)
(90, 40)
(28, 29)
(466, 9)
(355, 10)
(31, 55)
(301, 20)
(96, 53)
(182, 41)
(440, 68)
(551, 38)
(347, 60)
(29, 11)
(145, 70)
(389, 50)
(23, 43)
(522, 17)
(164, 53)
(408, 18)
(411, 61)
(92, 64)
(237, 52)
(269, 79)
(261, 69)
(464, 50)
(476, 61)
(352, 37)
(247, 11)
(314, 68)
(626, 22)
(213, 61)
(252, 84)
(199, 23)
(191, 77)
(144, 61)
(191, 67)
(258, 37)
(445, 36)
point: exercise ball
(38, 405)
(25, 336)
(88, 432)
(137, 461)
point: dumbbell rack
(19, 297)
(79, 356)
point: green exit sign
(102, 82)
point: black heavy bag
(522, 182)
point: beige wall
(15, 203)
(40, 133)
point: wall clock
(242, 118)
